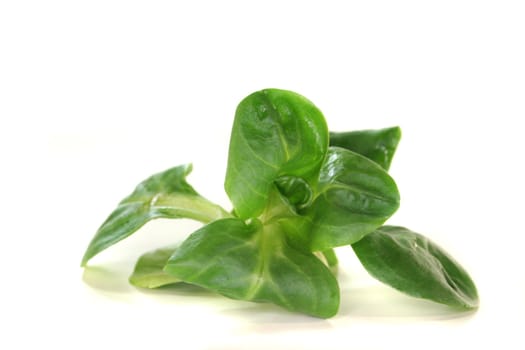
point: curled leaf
(295, 190)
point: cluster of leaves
(298, 191)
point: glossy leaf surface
(355, 196)
(275, 133)
(164, 195)
(254, 262)
(295, 190)
(416, 266)
(149, 270)
(378, 145)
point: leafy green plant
(298, 191)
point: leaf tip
(85, 259)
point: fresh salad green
(298, 191)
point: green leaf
(329, 258)
(254, 262)
(355, 196)
(295, 190)
(416, 266)
(149, 270)
(275, 133)
(282, 212)
(378, 145)
(164, 195)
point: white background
(97, 95)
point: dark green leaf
(378, 145)
(416, 266)
(355, 196)
(149, 270)
(295, 190)
(164, 195)
(254, 262)
(275, 133)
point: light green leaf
(416, 266)
(149, 270)
(275, 133)
(377, 145)
(164, 195)
(254, 262)
(355, 196)
(329, 258)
